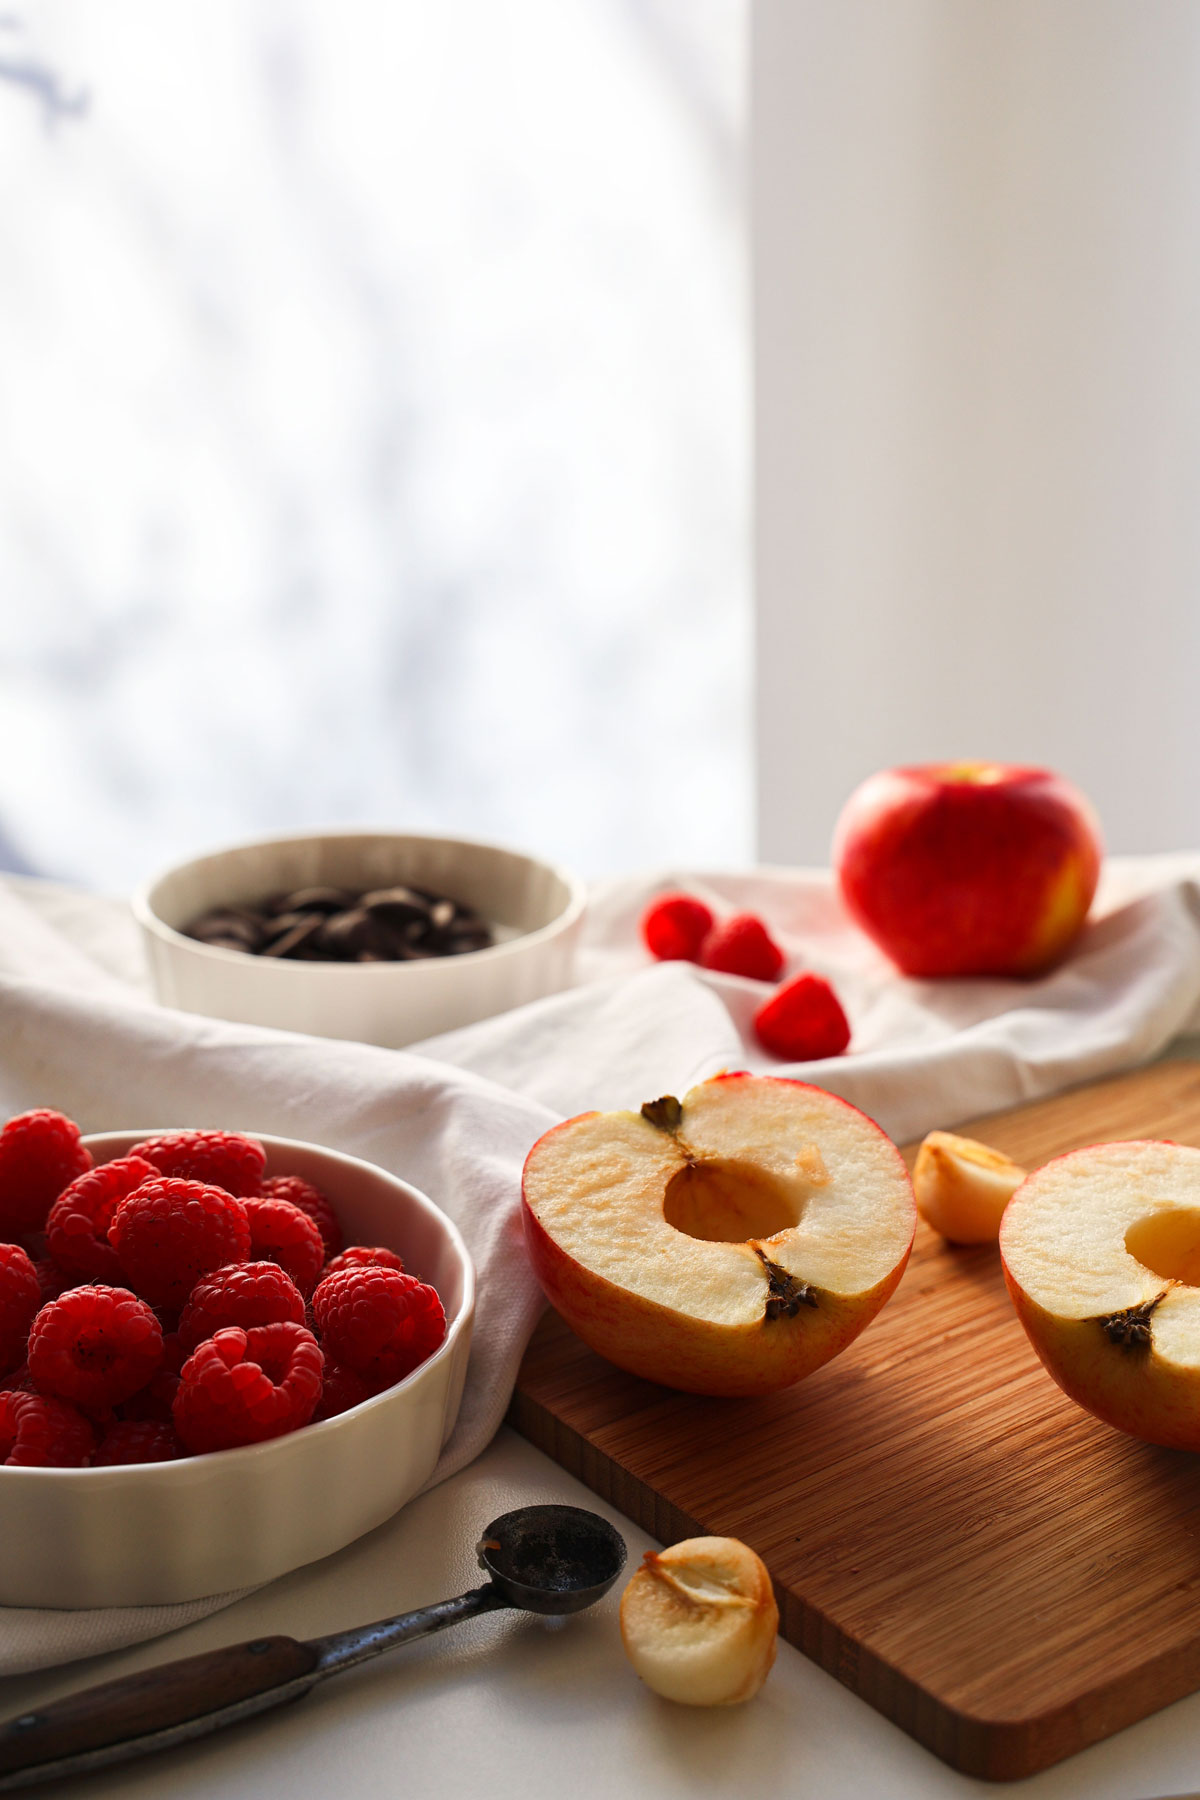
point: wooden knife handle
(120, 1713)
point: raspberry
(675, 926)
(20, 1297)
(36, 1433)
(310, 1200)
(223, 1159)
(378, 1322)
(168, 1233)
(52, 1280)
(137, 1441)
(95, 1346)
(743, 946)
(342, 1389)
(803, 1021)
(245, 1294)
(77, 1228)
(360, 1256)
(39, 1153)
(241, 1387)
(281, 1233)
(156, 1399)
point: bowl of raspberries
(221, 1357)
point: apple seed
(785, 1295)
(1131, 1327)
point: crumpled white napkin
(77, 1031)
(75, 1037)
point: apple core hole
(1168, 1244)
(729, 1202)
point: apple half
(728, 1243)
(1101, 1252)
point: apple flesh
(1101, 1252)
(963, 1187)
(699, 1622)
(968, 868)
(726, 1244)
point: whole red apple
(968, 868)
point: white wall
(977, 275)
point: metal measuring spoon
(541, 1559)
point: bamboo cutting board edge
(585, 1415)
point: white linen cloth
(79, 1032)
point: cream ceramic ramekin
(160, 1532)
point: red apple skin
(1142, 1396)
(968, 868)
(646, 1339)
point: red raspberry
(36, 1433)
(803, 1021)
(168, 1233)
(310, 1200)
(95, 1346)
(137, 1441)
(675, 926)
(241, 1387)
(52, 1280)
(20, 1297)
(245, 1294)
(378, 1322)
(223, 1159)
(360, 1256)
(39, 1153)
(342, 1389)
(156, 1400)
(743, 946)
(77, 1228)
(281, 1233)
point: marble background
(373, 435)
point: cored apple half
(730, 1243)
(1101, 1252)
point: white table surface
(523, 1709)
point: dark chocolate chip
(242, 930)
(300, 933)
(461, 938)
(317, 899)
(401, 923)
(398, 906)
(354, 932)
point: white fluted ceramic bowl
(160, 1532)
(536, 909)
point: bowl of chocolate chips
(388, 937)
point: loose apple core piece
(699, 1622)
(1101, 1252)
(963, 1187)
(726, 1244)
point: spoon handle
(153, 1709)
(159, 1708)
(345, 1648)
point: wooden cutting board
(997, 1572)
